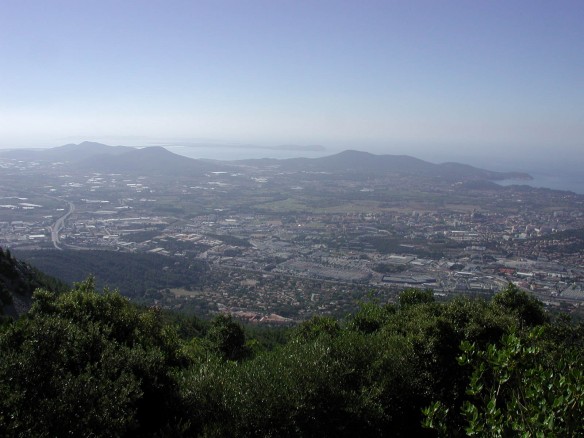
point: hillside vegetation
(18, 281)
(90, 363)
(132, 273)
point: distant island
(284, 147)
(293, 147)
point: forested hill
(133, 274)
(18, 280)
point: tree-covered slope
(18, 280)
(133, 274)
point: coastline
(567, 181)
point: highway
(59, 224)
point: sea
(560, 180)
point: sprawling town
(284, 245)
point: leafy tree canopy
(87, 363)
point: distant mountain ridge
(99, 157)
(151, 160)
(68, 152)
(351, 161)
(85, 150)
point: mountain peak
(76, 152)
(87, 144)
(152, 159)
(81, 146)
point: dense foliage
(90, 363)
(82, 363)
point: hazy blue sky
(425, 77)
